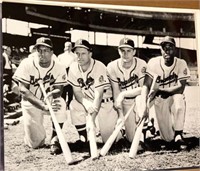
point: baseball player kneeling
(53, 75)
(92, 90)
(168, 98)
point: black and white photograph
(97, 87)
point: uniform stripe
(102, 85)
(112, 80)
(73, 84)
(21, 80)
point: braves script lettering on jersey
(127, 79)
(168, 76)
(88, 81)
(29, 72)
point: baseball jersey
(29, 72)
(92, 79)
(127, 79)
(168, 76)
(67, 58)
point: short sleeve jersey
(127, 79)
(29, 72)
(88, 81)
(168, 76)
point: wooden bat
(114, 135)
(64, 146)
(138, 132)
(92, 137)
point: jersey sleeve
(184, 72)
(101, 76)
(150, 68)
(72, 79)
(142, 71)
(62, 76)
(22, 73)
(111, 72)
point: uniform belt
(107, 100)
(163, 96)
(129, 98)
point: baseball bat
(114, 135)
(138, 132)
(64, 146)
(92, 137)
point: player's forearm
(173, 90)
(132, 93)
(27, 95)
(98, 99)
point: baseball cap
(44, 41)
(168, 39)
(126, 42)
(82, 43)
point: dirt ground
(21, 158)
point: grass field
(20, 158)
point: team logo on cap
(143, 70)
(101, 79)
(80, 42)
(185, 71)
(125, 41)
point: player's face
(126, 54)
(83, 56)
(168, 52)
(45, 54)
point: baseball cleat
(180, 143)
(55, 149)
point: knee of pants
(34, 144)
(33, 140)
(78, 113)
(179, 103)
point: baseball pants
(132, 120)
(33, 123)
(170, 114)
(107, 117)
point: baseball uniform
(89, 81)
(170, 110)
(29, 72)
(128, 79)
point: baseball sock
(178, 133)
(82, 132)
(54, 134)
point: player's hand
(118, 101)
(152, 94)
(56, 104)
(89, 106)
(45, 108)
(5, 88)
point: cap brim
(43, 44)
(125, 46)
(80, 46)
(166, 42)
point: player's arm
(79, 96)
(59, 87)
(145, 95)
(178, 89)
(29, 96)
